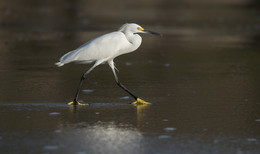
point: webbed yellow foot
(139, 101)
(75, 103)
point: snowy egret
(104, 49)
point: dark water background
(202, 77)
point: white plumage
(104, 49)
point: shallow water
(202, 78)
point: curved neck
(134, 39)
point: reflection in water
(110, 129)
(140, 112)
(104, 137)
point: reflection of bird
(104, 49)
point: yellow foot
(75, 103)
(139, 101)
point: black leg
(78, 90)
(123, 87)
(138, 100)
(75, 101)
(111, 64)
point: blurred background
(202, 77)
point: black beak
(151, 32)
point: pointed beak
(151, 32)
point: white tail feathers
(59, 64)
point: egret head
(135, 28)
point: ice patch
(128, 63)
(168, 129)
(88, 90)
(251, 140)
(164, 137)
(54, 113)
(58, 131)
(125, 97)
(167, 65)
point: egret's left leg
(138, 100)
(75, 101)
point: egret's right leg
(75, 101)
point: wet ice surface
(88, 90)
(54, 113)
(202, 78)
(125, 97)
(108, 128)
(169, 129)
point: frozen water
(167, 65)
(164, 137)
(58, 131)
(125, 97)
(54, 113)
(251, 140)
(128, 63)
(169, 129)
(88, 90)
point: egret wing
(103, 47)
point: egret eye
(140, 29)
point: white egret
(104, 49)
